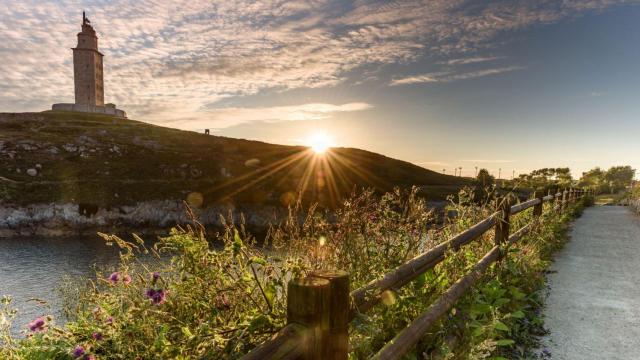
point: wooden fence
(320, 306)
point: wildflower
(110, 320)
(114, 277)
(157, 297)
(97, 312)
(126, 279)
(222, 301)
(37, 324)
(155, 277)
(77, 352)
(97, 336)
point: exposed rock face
(68, 219)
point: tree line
(615, 179)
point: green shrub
(191, 297)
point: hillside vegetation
(97, 159)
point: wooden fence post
(502, 224)
(563, 202)
(336, 345)
(307, 305)
(537, 209)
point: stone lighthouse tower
(87, 67)
(88, 77)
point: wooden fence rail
(320, 306)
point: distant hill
(90, 158)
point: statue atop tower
(88, 75)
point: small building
(88, 76)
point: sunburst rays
(323, 177)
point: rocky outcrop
(154, 216)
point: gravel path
(593, 309)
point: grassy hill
(96, 159)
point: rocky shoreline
(151, 217)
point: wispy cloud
(231, 116)
(181, 56)
(470, 60)
(448, 76)
(432, 163)
(489, 161)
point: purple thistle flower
(114, 277)
(157, 297)
(97, 336)
(37, 324)
(77, 352)
(126, 279)
(155, 277)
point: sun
(320, 142)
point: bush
(193, 297)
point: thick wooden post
(502, 224)
(307, 304)
(537, 209)
(336, 345)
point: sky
(510, 86)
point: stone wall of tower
(87, 69)
(88, 78)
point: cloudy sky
(511, 85)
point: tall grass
(206, 301)
(634, 198)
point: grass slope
(107, 161)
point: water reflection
(35, 268)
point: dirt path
(593, 309)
